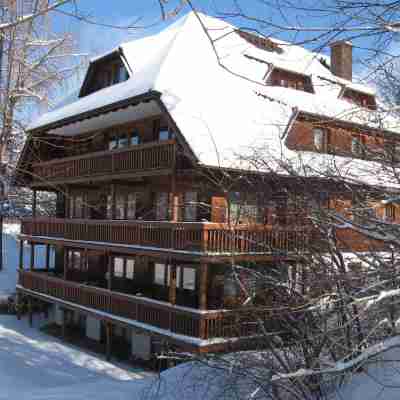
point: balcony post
(113, 198)
(47, 257)
(34, 201)
(21, 255)
(65, 262)
(32, 263)
(108, 340)
(63, 323)
(109, 271)
(30, 311)
(172, 284)
(203, 286)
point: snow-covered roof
(217, 95)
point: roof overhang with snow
(106, 114)
(216, 95)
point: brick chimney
(342, 59)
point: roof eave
(348, 124)
(144, 97)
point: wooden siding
(146, 157)
(207, 238)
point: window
(123, 141)
(161, 205)
(124, 267)
(77, 206)
(190, 206)
(131, 206)
(189, 279)
(135, 139)
(319, 135)
(178, 276)
(392, 152)
(244, 209)
(76, 260)
(119, 73)
(109, 207)
(390, 213)
(163, 134)
(76, 263)
(118, 267)
(357, 147)
(113, 144)
(130, 268)
(71, 207)
(120, 207)
(159, 274)
(289, 79)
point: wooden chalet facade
(144, 234)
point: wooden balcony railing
(145, 157)
(202, 237)
(175, 319)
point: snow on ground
(33, 364)
(380, 380)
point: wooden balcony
(198, 237)
(203, 325)
(145, 158)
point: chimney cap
(341, 43)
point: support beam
(18, 305)
(108, 340)
(113, 199)
(203, 286)
(64, 323)
(32, 264)
(172, 284)
(65, 263)
(30, 311)
(47, 257)
(34, 202)
(109, 271)
(21, 255)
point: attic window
(104, 73)
(289, 79)
(262, 43)
(360, 99)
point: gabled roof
(221, 104)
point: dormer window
(320, 137)
(103, 73)
(361, 99)
(289, 79)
